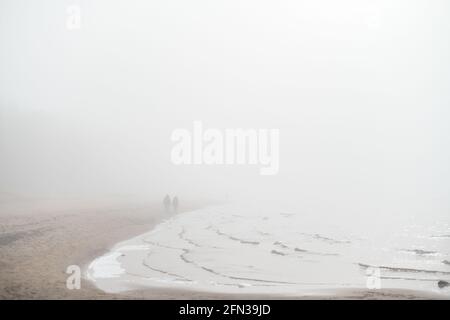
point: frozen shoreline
(218, 251)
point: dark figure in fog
(166, 203)
(175, 204)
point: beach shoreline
(160, 263)
(38, 241)
(36, 249)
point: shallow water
(263, 249)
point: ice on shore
(106, 267)
(267, 250)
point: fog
(359, 91)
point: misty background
(358, 89)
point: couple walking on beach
(170, 206)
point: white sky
(359, 90)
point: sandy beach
(38, 241)
(37, 245)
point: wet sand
(37, 245)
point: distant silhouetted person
(166, 203)
(175, 204)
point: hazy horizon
(357, 89)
